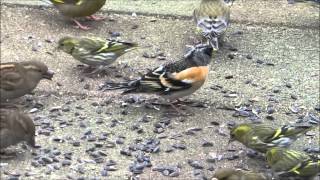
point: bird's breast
(193, 75)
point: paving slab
(259, 11)
(271, 62)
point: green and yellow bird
(290, 163)
(212, 18)
(261, 137)
(79, 8)
(237, 174)
(95, 52)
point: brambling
(212, 18)
(262, 137)
(173, 80)
(79, 8)
(15, 127)
(93, 51)
(18, 79)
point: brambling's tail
(129, 86)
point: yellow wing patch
(59, 1)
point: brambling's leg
(172, 104)
(79, 25)
(180, 112)
(96, 18)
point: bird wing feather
(92, 46)
(11, 80)
(161, 80)
(76, 2)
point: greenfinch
(291, 163)
(95, 52)
(79, 8)
(261, 137)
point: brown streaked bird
(18, 79)
(79, 8)
(237, 174)
(212, 18)
(173, 80)
(15, 127)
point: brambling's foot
(179, 111)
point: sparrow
(94, 51)
(289, 163)
(212, 18)
(18, 79)
(79, 8)
(15, 127)
(172, 80)
(237, 174)
(261, 137)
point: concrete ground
(271, 58)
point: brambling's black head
(199, 54)
(205, 49)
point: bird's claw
(80, 26)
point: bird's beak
(48, 75)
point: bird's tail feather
(128, 86)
